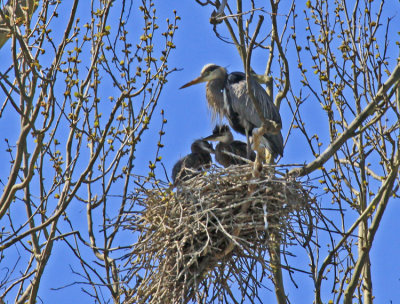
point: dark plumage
(226, 144)
(193, 163)
(227, 96)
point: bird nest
(208, 235)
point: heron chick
(228, 151)
(193, 163)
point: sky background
(189, 118)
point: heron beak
(212, 138)
(194, 81)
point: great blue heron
(194, 162)
(223, 134)
(227, 96)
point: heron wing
(176, 170)
(239, 148)
(241, 111)
(243, 105)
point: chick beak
(212, 138)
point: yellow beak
(194, 81)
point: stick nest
(205, 236)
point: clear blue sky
(189, 119)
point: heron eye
(210, 69)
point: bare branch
(350, 131)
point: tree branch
(350, 131)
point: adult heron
(193, 163)
(227, 96)
(228, 151)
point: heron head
(209, 72)
(201, 146)
(221, 133)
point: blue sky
(189, 119)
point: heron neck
(215, 97)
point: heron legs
(249, 150)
